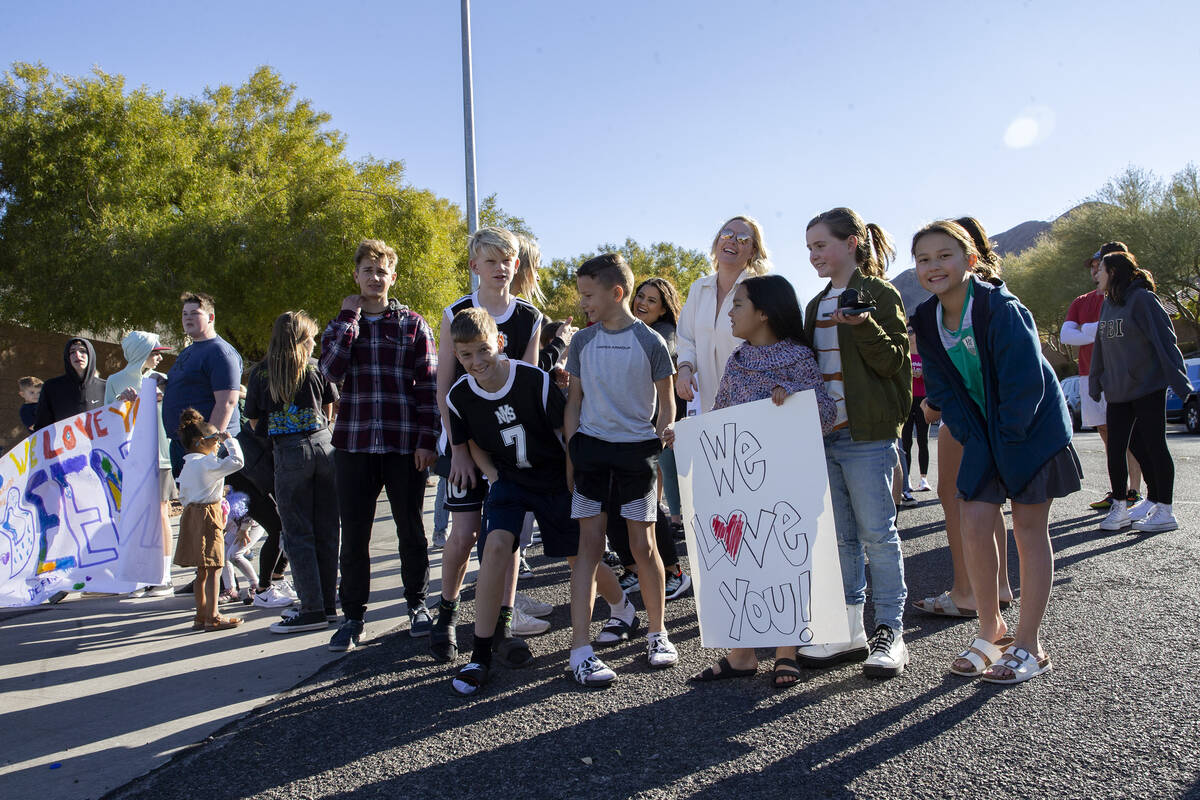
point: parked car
(1176, 405)
(1070, 389)
(1191, 412)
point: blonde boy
(493, 258)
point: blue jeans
(441, 516)
(860, 486)
(308, 505)
(670, 480)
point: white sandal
(1023, 664)
(981, 654)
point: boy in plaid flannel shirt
(384, 356)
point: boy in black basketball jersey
(510, 415)
(493, 258)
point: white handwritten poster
(760, 525)
(60, 500)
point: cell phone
(854, 312)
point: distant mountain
(910, 290)
(1019, 237)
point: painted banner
(760, 525)
(79, 505)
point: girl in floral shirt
(774, 361)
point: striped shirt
(829, 354)
(387, 369)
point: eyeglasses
(728, 236)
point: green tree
(676, 264)
(1159, 222)
(112, 203)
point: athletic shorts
(628, 469)
(466, 499)
(1093, 413)
(508, 503)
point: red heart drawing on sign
(729, 532)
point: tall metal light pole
(469, 128)
(469, 119)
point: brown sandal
(219, 623)
(198, 623)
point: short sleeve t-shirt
(305, 414)
(518, 425)
(519, 323)
(202, 368)
(618, 370)
(829, 354)
(963, 351)
(1085, 309)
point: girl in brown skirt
(201, 530)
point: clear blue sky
(658, 120)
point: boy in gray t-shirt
(619, 368)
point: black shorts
(629, 470)
(508, 503)
(468, 499)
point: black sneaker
(347, 636)
(677, 531)
(524, 570)
(419, 622)
(296, 621)
(612, 559)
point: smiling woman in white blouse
(705, 339)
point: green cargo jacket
(876, 369)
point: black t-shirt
(518, 325)
(305, 414)
(518, 425)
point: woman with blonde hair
(293, 398)
(705, 342)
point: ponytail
(874, 250)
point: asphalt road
(1118, 716)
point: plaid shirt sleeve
(336, 344)
(424, 377)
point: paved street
(1116, 718)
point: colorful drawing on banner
(61, 499)
(759, 526)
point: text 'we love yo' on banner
(79, 505)
(760, 526)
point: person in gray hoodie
(1134, 360)
(143, 352)
(78, 389)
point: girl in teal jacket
(985, 371)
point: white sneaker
(889, 654)
(165, 590)
(1142, 509)
(825, 655)
(525, 625)
(1163, 519)
(923, 486)
(534, 608)
(593, 673)
(1118, 517)
(287, 590)
(660, 652)
(271, 597)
